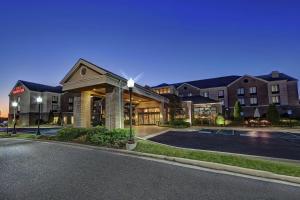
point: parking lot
(259, 143)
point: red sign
(18, 90)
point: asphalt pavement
(258, 143)
(45, 170)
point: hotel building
(90, 95)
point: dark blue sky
(169, 41)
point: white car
(3, 124)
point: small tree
(50, 117)
(273, 114)
(237, 111)
(175, 105)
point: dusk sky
(167, 40)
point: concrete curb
(203, 164)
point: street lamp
(39, 100)
(130, 85)
(14, 105)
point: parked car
(3, 124)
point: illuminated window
(252, 90)
(242, 101)
(253, 101)
(71, 99)
(276, 100)
(205, 94)
(240, 91)
(275, 88)
(70, 108)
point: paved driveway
(43, 170)
(271, 144)
(44, 131)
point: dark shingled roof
(205, 83)
(281, 76)
(198, 99)
(161, 85)
(40, 87)
(211, 82)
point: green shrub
(220, 120)
(67, 134)
(179, 123)
(273, 114)
(116, 138)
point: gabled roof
(281, 76)
(198, 99)
(40, 87)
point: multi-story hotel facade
(253, 93)
(89, 95)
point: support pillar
(82, 110)
(114, 108)
(162, 117)
(189, 106)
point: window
(55, 108)
(70, 108)
(222, 102)
(83, 71)
(205, 94)
(70, 99)
(252, 90)
(275, 89)
(276, 100)
(253, 101)
(221, 93)
(54, 99)
(246, 80)
(242, 101)
(241, 91)
(190, 94)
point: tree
(175, 105)
(50, 117)
(273, 114)
(237, 111)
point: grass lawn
(18, 135)
(234, 160)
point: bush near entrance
(98, 135)
(237, 111)
(178, 123)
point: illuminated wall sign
(18, 90)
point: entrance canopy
(89, 80)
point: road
(259, 143)
(43, 170)
(43, 130)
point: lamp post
(130, 85)
(14, 105)
(39, 100)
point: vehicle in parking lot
(3, 124)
